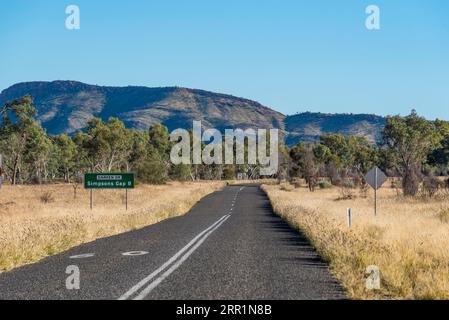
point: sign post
(109, 181)
(375, 178)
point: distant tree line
(413, 149)
(30, 155)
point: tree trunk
(411, 180)
(14, 170)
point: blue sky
(293, 56)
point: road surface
(229, 246)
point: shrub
(325, 185)
(346, 194)
(346, 190)
(431, 185)
(443, 214)
(364, 187)
(348, 184)
(47, 197)
(153, 170)
(180, 172)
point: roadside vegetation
(38, 221)
(408, 239)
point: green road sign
(109, 181)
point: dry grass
(408, 240)
(286, 186)
(37, 221)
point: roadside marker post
(349, 217)
(375, 178)
(109, 181)
(126, 199)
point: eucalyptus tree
(409, 140)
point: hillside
(67, 106)
(310, 126)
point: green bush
(348, 184)
(180, 172)
(152, 170)
(325, 185)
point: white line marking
(175, 266)
(135, 253)
(144, 281)
(83, 256)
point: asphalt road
(229, 246)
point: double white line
(146, 285)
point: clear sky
(292, 56)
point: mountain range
(67, 106)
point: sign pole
(109, 181)
(375, 194)
(375, 202)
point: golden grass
(37, 221)
(408, 240)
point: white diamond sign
(376, 178)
